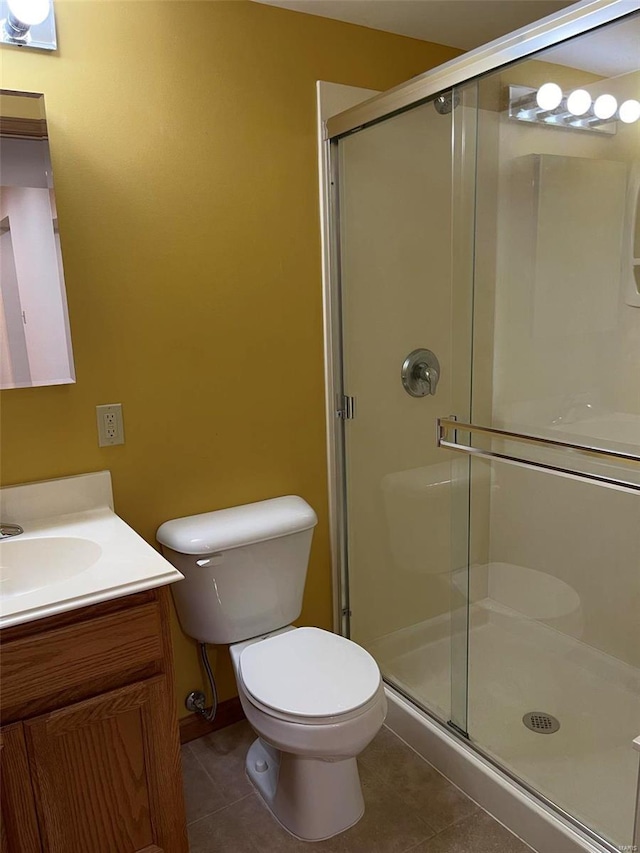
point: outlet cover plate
(110, 425)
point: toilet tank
(244, 568)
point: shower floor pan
(517, 665)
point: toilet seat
(310, 722)
(308, 674)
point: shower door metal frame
(576, 20)
(554, 29)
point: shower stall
(484, 388)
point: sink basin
(30, 564)
(74, 552)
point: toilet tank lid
(248, 524)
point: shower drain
(541, 722)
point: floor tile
(389, 824)
(219, 832)
(409, 806)
(436, 800)
(201, 795)
(244, 827)
(479, 833)
(222, 755)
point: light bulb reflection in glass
(549, 96)
(578, 102)
(604, 107)
(629, 111)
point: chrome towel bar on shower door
(447, 425)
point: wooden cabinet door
(106, 774)
(19, 830)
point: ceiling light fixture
(28, 23)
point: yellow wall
(183, 144)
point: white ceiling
(608, 51)
(459, 23)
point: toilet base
(311, 798)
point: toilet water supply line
(195, 700)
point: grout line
(452, 783)
(242, 797)
(441, 832)
(435, 832)
(218, 810)
(203, 768)
(372, 766)
(215, 784)
(469, 818)
(204, 817)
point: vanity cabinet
(19, 827)
(90, 745)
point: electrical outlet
(110, 427)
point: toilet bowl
(311, 725)
(315, 699)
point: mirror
(35, 340)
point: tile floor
(409, 806)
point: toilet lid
(309, 672)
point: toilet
(314, 699)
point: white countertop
(124, 563)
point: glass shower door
(395, 248)
(494, 572)
(554, 640)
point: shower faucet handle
(429, 375)
(420, 373)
